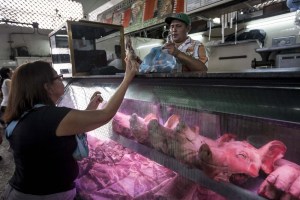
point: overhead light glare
(217, 20)
(149, 45)
(271, 21)
(61, 35)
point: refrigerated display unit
(190, 136)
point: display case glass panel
(158, 152)
(84, 48)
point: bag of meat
(158, 61)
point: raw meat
(138, 126)
(121, 124)
(224, 159)
(282, 183)
(130, 53)
(115, 172)
(218, 158)
(239, 157)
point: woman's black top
(43, 161)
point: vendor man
(191, 53)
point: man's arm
(192, 63)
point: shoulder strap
(11, 126)
(9, 129)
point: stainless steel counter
(251, 73)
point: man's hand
(171, 48)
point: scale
(287, 60)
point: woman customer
(5, 74)
(43, 141)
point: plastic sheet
(158, 61)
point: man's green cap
(179, 16)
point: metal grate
(48, 14)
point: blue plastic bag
(82, 150)
(293, 5)
(158, 61)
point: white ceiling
(88, 6)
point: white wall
(37, 45)
(5, 49)
(277, 26)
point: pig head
(234, 159)
(224, 159)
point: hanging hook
(163, 35)
(145, 33)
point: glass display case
(172, 137)
(84, 48)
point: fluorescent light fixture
(196, 36)
(63, 65)
(217, 20)
(271, 21)
(60, 51)
(149, 45)
(61, 35)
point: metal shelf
(265, 52)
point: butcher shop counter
(258, 108)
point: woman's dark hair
(4, 73)
(28, 88)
